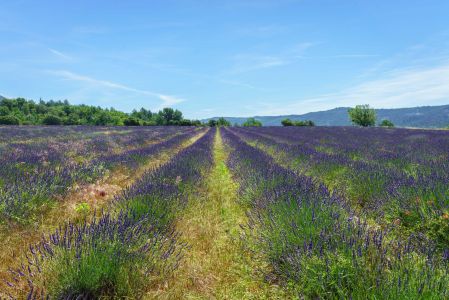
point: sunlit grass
(216, 265)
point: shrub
(82, 210)
(51, 120)
(287, 122)
(304, 123)
(9, 120)
(252, 122)
(131, 122)
(386, 123)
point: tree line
(20, 111)
(250, 122)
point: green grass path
(216, 266)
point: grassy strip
(216, 265)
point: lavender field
(223, 213)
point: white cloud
(167, 100)
(398, 88)
(170, 100)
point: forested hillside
(20, 111)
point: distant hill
(1, 97)
(424, 117)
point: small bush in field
(82, 209)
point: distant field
(224, 213)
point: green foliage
(287, 122)
(82, 209)
(386, 123)
(9, 120)
(223, 122)
(4, 111)
(51, 120)
(143, 114)
(304, 123)
(169, 116)
(219, 123)
(186, 122)
(27, 112)
(109, 268)
(362, 115)
(438, 228)
(252, 122)
(131, 122)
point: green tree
(196, 123)
(362, 115)
(386, 123)
(131, 122)
(62, 112)
(9, 120)
(212, 123)
(169, 116)
(4, 111)
(51, 120)
(223, 122)
(185, 122)
(304, 123)
(252, 122)
(143, 114)
(287, 122)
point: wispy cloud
(60, 54)
(167, 100)
(397, 88)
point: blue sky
(231, 58)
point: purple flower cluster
(135, 233)
(394, 175)
(49, 161)
(315, 242)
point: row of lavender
(36, 170)
(394, 175)
(127, 249)
(316, 246)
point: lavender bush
(319, 247)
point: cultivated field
(224, 213)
